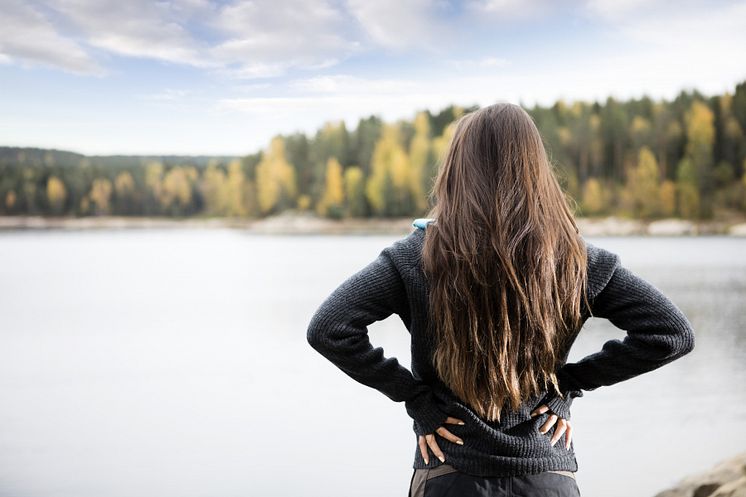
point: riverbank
(307, 223)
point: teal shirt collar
(422, 222)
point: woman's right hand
(563, 425)
(428, 440)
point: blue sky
(202, 77)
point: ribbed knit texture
(394, 283)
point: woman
(494, 287)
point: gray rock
(735, 488)
(612, 225)
(737, 229)
(672, 226)
(725, 479)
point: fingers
(423, 449)
(433, 444)
(548, 423)
(429, 440)
(449, 436)
(539, 410)
(563, 427)
(558, 431)
(568, 435)
(454, 421)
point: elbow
(315, 336)
(687, 341)
(684, 342)
(316, 333)
(678, 338)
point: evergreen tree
(700, 132)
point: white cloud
(483, 63)
(250, 87)
(265, 38)
(245, 39)
(251, 70)
(168, 94)
(509, 9)
(401, 24)
(712, 29)
(348, 97)
(137, 28)
(348, 84)
(691, 46)
(635, 50)
(29, 37)
(617, 9)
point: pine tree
(700, 134)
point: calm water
(175, 363)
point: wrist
(425, 412)
(560, 404)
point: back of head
(505, 262)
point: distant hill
(32, 156)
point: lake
(174, 363)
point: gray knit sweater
(394, 283)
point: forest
(640, 158)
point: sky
(198, 77)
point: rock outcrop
(725, 479)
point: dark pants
(445, 480)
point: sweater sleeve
(658, 332)
(339, 331)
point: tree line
(640, 158)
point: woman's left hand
(428, 440)
(563, 425)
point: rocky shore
(307, 223)
(725, 479)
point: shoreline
(309, 224)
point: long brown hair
(505, 262)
